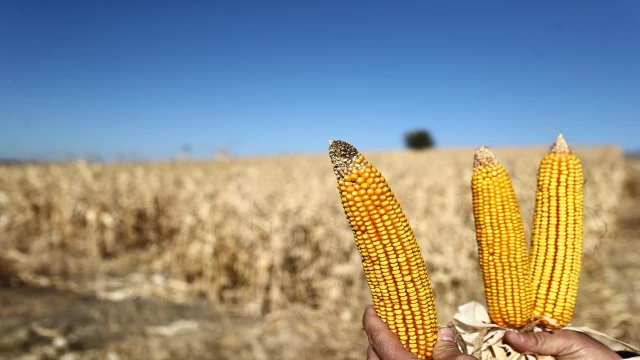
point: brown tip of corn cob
(344, 158)
(560, 146)
(484, 157)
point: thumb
(446, 348)
(543, 342)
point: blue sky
(143, 78)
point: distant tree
(120, 158)
(419, 139)
(94, 158)
(223, 152)
(185, 152)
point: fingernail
(446, 334)
(368, 307)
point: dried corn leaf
(484, 339)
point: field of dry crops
(253, 258)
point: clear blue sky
(145, 77)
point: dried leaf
(484, 340)
(462, 345)
(469, 337)
(499, 353)
(477, 345)
(474, 314)
(493, 337)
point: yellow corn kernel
(556, 237)
(502, 244)
(393, 264)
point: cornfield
(252, 258)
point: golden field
(254, 259)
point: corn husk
(477, 336)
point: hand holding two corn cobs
(561, 344)
(522, 290)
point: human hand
(385, 345)
(561, 344)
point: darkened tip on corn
(393, 264)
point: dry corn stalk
(393, 264)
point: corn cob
(393, 264)
(556, 237)
(502, 244)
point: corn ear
(502, 244)
(393, 264)
(556, 237)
